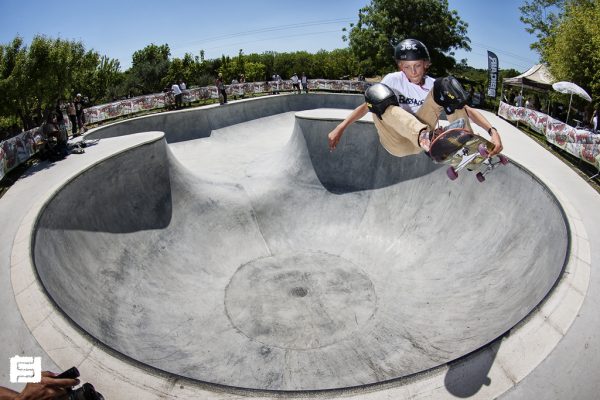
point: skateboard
(460, 149)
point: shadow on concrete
(128, 193)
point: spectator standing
(79, 105)
(519, 100)
(221, 89)
(184, 92)
(304, 82)
(296, 83)
(178, 95)
(234, 88)
(277, 80)
(242, 81)
(471, 98)
(72, 114)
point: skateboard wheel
(480, 177)
(503, 159)
(452, 174)
(483, 150)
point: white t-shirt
(175, 88)
(410, 96)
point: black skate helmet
(411, 50)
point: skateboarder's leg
(399, 131)
(430, 112)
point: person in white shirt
(408, 104)
(178, 95)
(184, 93)
(296, 83)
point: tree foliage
(384, 23)
(100, 83)
(148, 68)
(33, 78)
(542, 17)
(573, 47)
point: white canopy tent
(537, 77)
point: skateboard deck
(460, 149)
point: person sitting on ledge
(408, 104)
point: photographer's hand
(48, 388)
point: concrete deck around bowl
(517, 366)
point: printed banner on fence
(580, 143)
(493, 74)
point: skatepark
(224, 252)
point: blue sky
(119, 28)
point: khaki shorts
(399, 130)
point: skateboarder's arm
(336, 134)
(480, 120)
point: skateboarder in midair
(408, 104)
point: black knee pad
(379, 97)
(449, 93)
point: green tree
(255, 71)
(98, 78)
(175, 73)
(268, 60)
(148, 69)
(233, 67)
(34, 77)
(384, 23)
(542, 16)
(572, 49)
(106, 80)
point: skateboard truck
(460, 148)
(467, 159)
